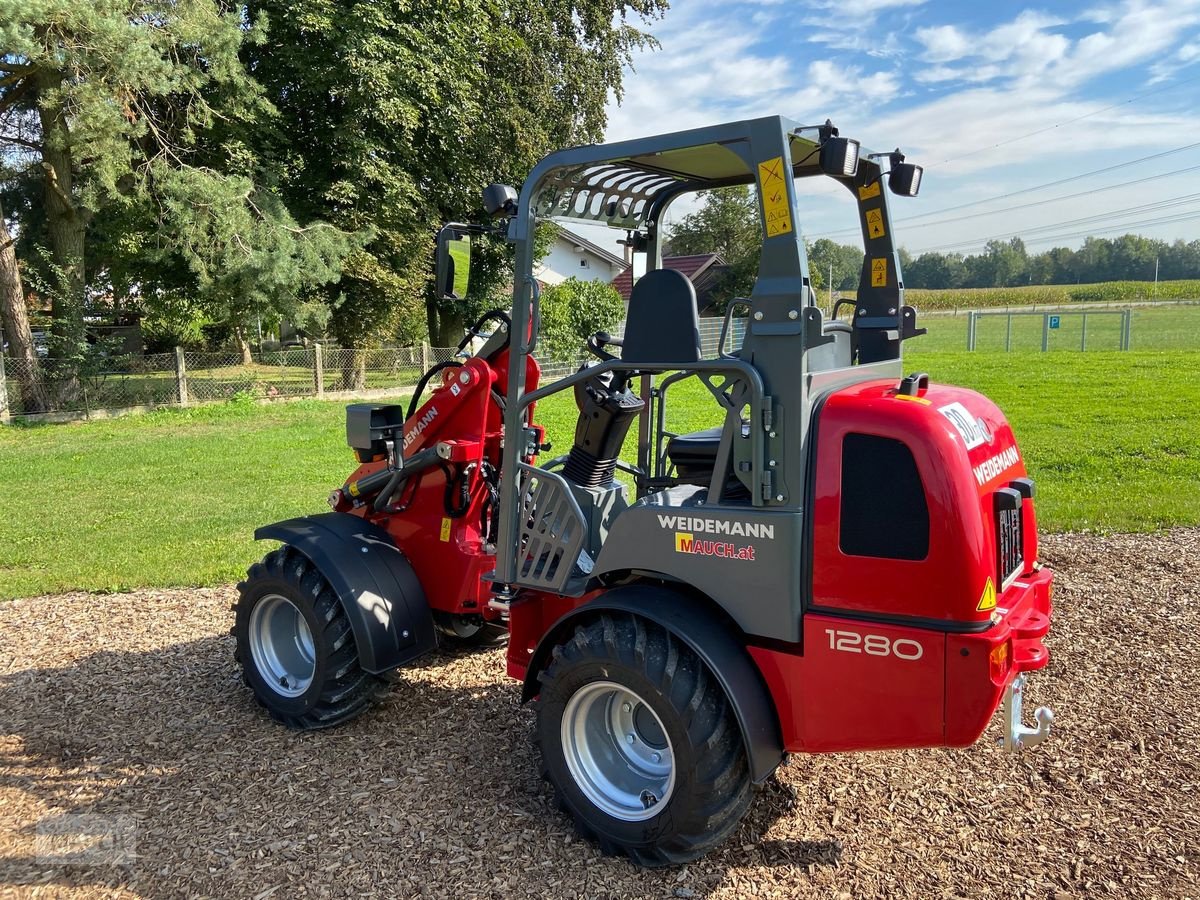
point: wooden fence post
(5, 413)
(425, 354)
(181, 388)
(319, 369)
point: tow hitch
(1016, 735)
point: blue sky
(947, 82)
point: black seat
(694, 456)
(662, 324)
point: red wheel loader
(846, 560)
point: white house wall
(565, 261)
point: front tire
(295, 645)
(640, 742)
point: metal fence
(183, 378)
(1052, 325)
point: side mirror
(453, 264)
(905, 179)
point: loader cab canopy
(621, 192)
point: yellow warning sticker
(353, 488)
(866, 192)
(445, 530)
(879, 271)
(875, 223)
(913, 399)
(777, 213)
(988, 600)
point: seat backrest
(662, 325)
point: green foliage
(140, 114)
(727, 223)
(572, 312)
(1052, 294)
(1008, 264)
(393, 117)
(844, 261)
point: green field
(172, 497)
(1050, 294)
(1152, 328)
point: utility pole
(1155, 294)
(831, 289)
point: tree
(845, 262)
(136, 111)
(727, 223)
(394, 117)
(572, 312)
(14, 319)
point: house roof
(595, 249)
(693, 267)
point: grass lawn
(172, 498)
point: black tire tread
(723, 773)
(347, 691)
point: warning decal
(875, 223)
(988, 600)
(772, 189)
(446, 530)
(879, 271)
(868, 191)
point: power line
(1110, 187)
(1098, 229)
(1028, 190)
(1096, 112)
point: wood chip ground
(129, 708)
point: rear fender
(376, 585)
(712, 638)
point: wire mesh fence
(48, 387)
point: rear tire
(295, 645)
(640, 742)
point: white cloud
(1032, 73)
(944, 43)
(864, 7)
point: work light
(905, 178)
(839, 155)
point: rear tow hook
(1016, 735)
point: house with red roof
(704, 270)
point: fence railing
(182, 378)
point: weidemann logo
(993, 466)
(697, 525)
(420, 426)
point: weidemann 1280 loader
(846, 560)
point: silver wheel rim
(618, 751)
(282, 645)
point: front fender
(711, 637)
(375, 583)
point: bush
(572, 312)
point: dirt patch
(128, 710)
